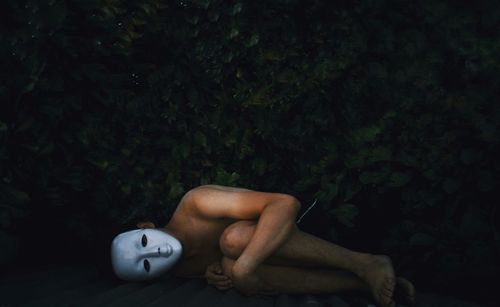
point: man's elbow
(284, 205)
(292, 203)
(296, 203)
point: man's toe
(405, 292)
(388, 293)
(386, 299)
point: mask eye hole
(147, 266)
(144, 240)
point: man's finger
(224, 287)
(216, 281)
(218, 277)
(225, 282)
(216, 269)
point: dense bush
(383, 110)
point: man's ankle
(360, 262)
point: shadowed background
(385, 111)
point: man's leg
(282, 279)
(290, 280)
(303, 249)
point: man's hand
(216, 277)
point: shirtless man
(249, 240)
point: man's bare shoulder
(188, 201)
(220, 188)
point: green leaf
(185, 150)
(470, 155)
(204, 4)
(139, 170)
(430, 174)
(192, 96)
(398, 179)
(28, 88)
(233, 178)
(176, 190)
(380, 153)
(366, 135)
(18, 196)
(227, 57)
(355, 161)
(100, 164)
(304, 184)
(253, 40)
(126, 189)
(372, 177)
(328, 192)
(236, 9)
(3, 126)
(451, 185)
(259, 165)
(408, 160)
(25, 125)
(201, 140)
(345, 214)
(232, 34)
(225, 178)
(287, 77)
(213, 15)
(148, 9)
(351, 190)
(47, 149)
(193, 20)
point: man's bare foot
(378, 273)
(405, 292)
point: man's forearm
(273, 228)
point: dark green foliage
(111, 110)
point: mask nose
(165, 250)
(159, 251)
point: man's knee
(245, 288)
(235, 238)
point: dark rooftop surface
(83, 285)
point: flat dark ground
(83, 285)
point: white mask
(143, 254)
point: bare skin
(305, 250)
(261, 251)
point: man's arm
(276, 214)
